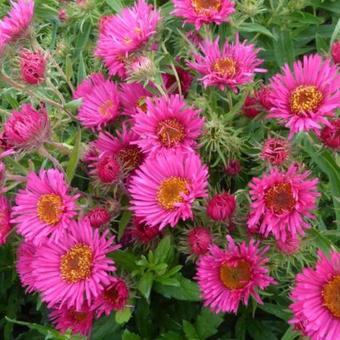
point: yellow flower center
(105, 108)
(170, 192)
(235, 277)
(202, 6)
(225, 67)
(305, 98)
(76, 264)
(331, 296)
(279, 198)
(170, 132)
(50, 208)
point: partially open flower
(5, 225)
(199, 240)
(233, 168)
(32, 67)
(98, 217)
(336, 52)
(221, 207)
(330, 135)
(275, 151)
(251, 107)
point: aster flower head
(88, 84)
(113, 298)
(78, 321)
(165, 187)
(143, 233)
(44, 209)
(125, 33)
(132, 97)
(251, 107)
(316, 304)
(336, 52)
(232, 65)
(5, 225)
(100, 104)
(122, 147)
(233, 167)
(330, 135)
(275, 151)
(199, 12)
(199, 240)
(281, 203)
(221, 207)
(168, 123)
(98, 217)
(76, 266)
(303, 97)
(228, 277)
(288, 247)
(32, 67)
(263, 97)
(27, 128)
(106, 169)
(25, 256)
(15, 24)
(171, 84)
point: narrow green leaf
(189, 331)
(145, 284)
(253, 27)
(75, 156)
(125, 260)
(162, 250)
(290, 334)
(124, 221)
(336, 32)
(207, 323)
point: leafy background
(166, 302)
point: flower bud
(336, 52)
(330, 135)
(32, 67)
(233, 168)
(98, 217)
(199, 240)
(221, 207)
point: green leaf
(73, 104)
(124, 221)
(106, 328)
(145, 284)
(253, 27)
(276, 310)
(75, 156)
(116, 5)
(290, 334)
(125, 259)
(336, 32)
(123, 316)
(189, 331)
(162, 250)
(207, 323)
(187, 291)
(127, 335)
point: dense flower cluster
(112, 181)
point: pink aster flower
(78, 321)
(17, 21)
(221, 207)
(25, 256)
(5, 225)
(113, 298)
(165, 187)
(199, 241)
(44, 208)
(143, 233)
(233, 168)
(227, 277)
(100, 105)
(336, 52)
(32, 67)
(199, 12)
(106, 169)
(167, 124)
(251, 107)
(133, 96)
(288, 247)
(171, 84)
(123, 148)
(281, 203)
(87, 85)
(75, 268)
(316, 304)
(302, 98)
(275, 151)
(27, 128)
(330, 135)
(233, 65)
(126, 33)
(98, 217)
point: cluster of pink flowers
(146, 144)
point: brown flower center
(279, 198)
(77, 316)
(50, 208)
(170, 192)
(202, 6)
(76, 264)
(226, 67)
(130, 157)
(331, 296)
(235, 277)
(141, 104)
(111, 294)
(305, 98)
(170, 132)
(106, 107)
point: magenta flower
(221, 207)
(275, 151)
(228, 277)
(100, 103)
(168, 123)
(281, 203)
(233, 65)
(132, 97)
(330, 135)
(199, 241)
(125, 33)
(199, 12)
(98, 217)
(32, 67)
(303, 98)
(27, 128)
(165, 187)
(5, 225)
(78, 321)
(106, 169)
(113, 298)
(44, 209)
(336, 52)
(75, 268)
(25, 256)
(141, 232)
(171, 84)
(316, 304)
(17, 21)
